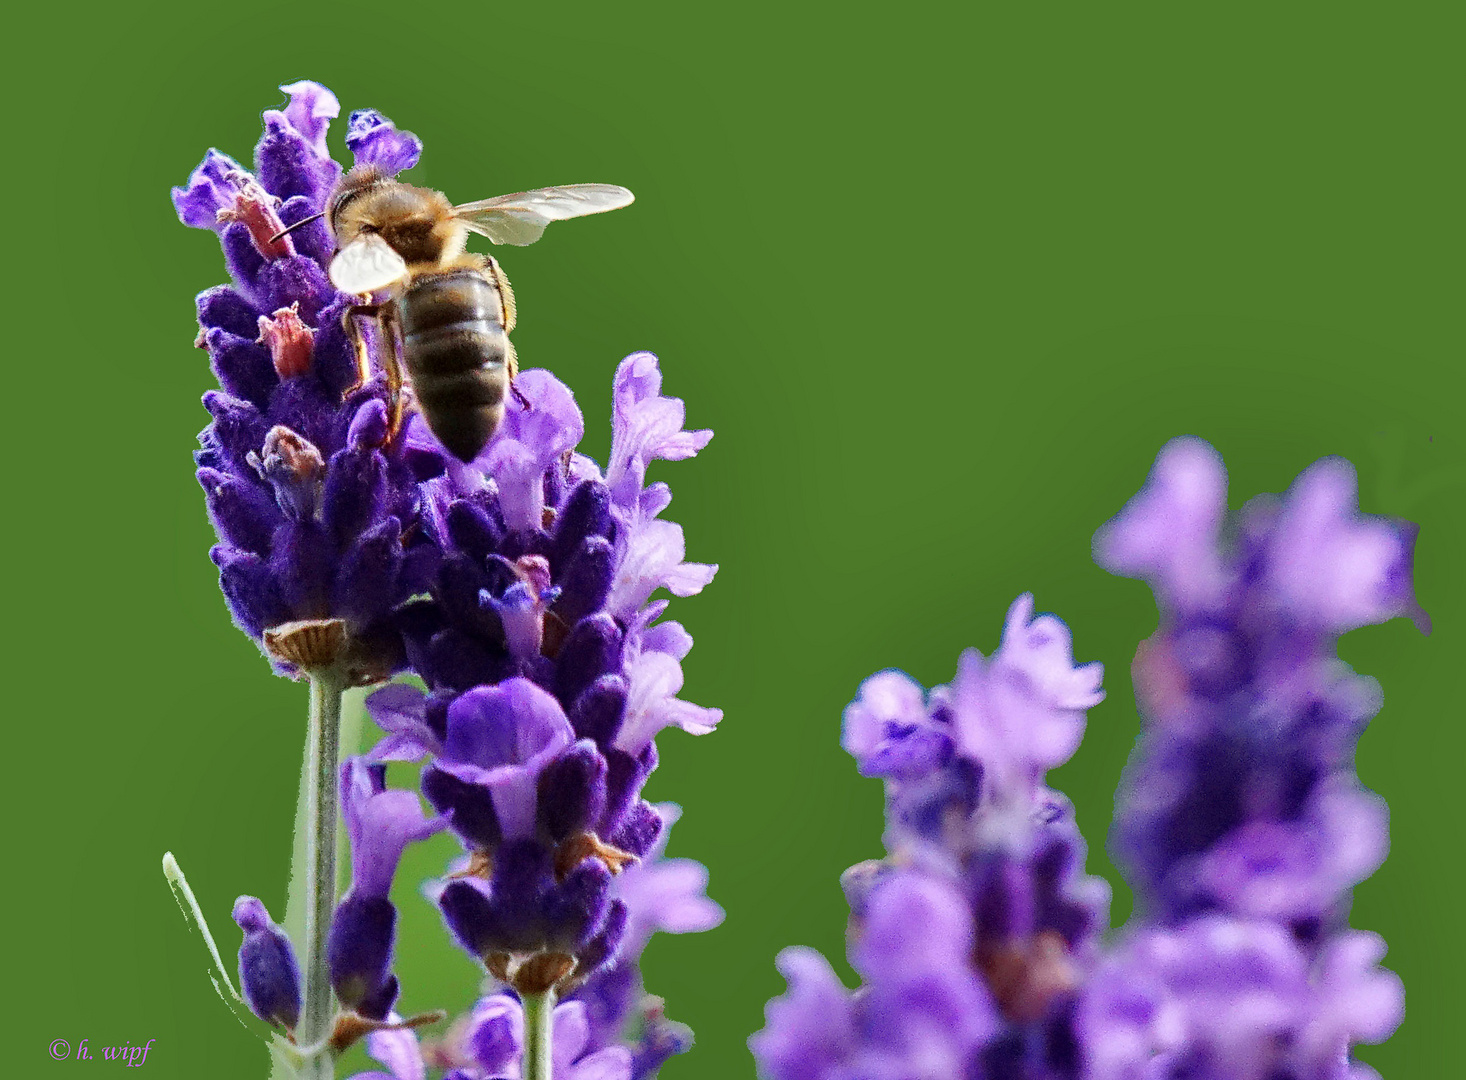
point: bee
(446, 320)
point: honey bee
(448, 313)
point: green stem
(539, 1015)
(323, 754)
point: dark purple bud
(356, 488)
(471, 917)
(572, 791)
(243, 515)
(239, 428)
(593, 649)
(577, 909)
(359, 948)
(313, 240)
(289, 164)
(244, 262)
(601, 949)
(377, 1005)
(241, 364)
(473, 531)
(470, 808)
(369, 426)
(296, 279)
(249, 589)
(598, 712)
(333, 361)
(523, 879)
(639, 829)
(268, 974)
(303, 562)
(221, 308)
(453, 659)
(367, 580)
(625, 776)
(586, 513)
(586, 582)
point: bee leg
(511, 362)
(392, 365)
(358, 341)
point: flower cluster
(609, 1029)
(518, 587)
(974, 933)
(1241, 824)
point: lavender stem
(323, 752)
(539, 1014)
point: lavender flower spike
(313, 502)
(1241, 823)
(549, 673)
(976, 935)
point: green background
(943, 284)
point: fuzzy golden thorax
(417, 223)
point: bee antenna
(298, 224)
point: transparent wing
(366, 265)
(520, 219)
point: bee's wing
(365, 265)
(521, 218)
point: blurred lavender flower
(1240, 823)
(975, 933)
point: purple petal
(374, 140)
(381, 825)
(401, 711)
(811, 1029)
(312, 108)
(208, 191)
(1168, 533)
(1333, 566)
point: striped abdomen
(457, 356)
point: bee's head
(345, 226)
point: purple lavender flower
(973, 938)
(610, 1029)
(316, 507)
(381, 824)
(661, 895)
(518, 587)
(1242, 796)
(548, 672)
(268, 974)
(1241, 822)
